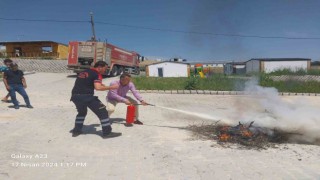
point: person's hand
(113, 87)
(127, 102)
(8, 88)
(25, 86)
(144, 103)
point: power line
(167, 30)
(45, 20)
(206, 33)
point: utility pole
(92, 26)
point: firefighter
(120, 95)
(83, 98)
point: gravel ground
(36, 143)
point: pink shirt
(121, 93)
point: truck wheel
(120, 70)
(114, 71)
(137, 69)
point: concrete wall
(169, 70)
(52, 66)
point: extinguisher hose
(142, 104)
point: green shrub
(192, 83)
(220, 82)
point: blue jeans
(20, 89)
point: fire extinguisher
(130, 114)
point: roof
(168, 62)
(211, 62)
(19, 42)
(237, 63)
(280, 59)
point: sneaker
(110, 135)
(16, 107)
(76, 133)
(138, 122)
(29, 106)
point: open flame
(228, 133)
(224, 137)
(247, 135)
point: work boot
(29, 106)
(138, 122)
(76, 132)
(16, 107)
(110, 135)
(106, 133)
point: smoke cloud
(297, 115)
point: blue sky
(267, 18)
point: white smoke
(291, 114)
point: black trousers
(83, 102)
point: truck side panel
(122, 57)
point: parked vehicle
(83, 55)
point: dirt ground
(36, 143)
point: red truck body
(84, 54)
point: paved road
(36, 143)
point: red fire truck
(84, 54)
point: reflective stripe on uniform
(104, 120)
(80, 117)
(107, 124)
(79, 122)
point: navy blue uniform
(83, 97)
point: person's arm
(23, 80)
(24, 83)
(5, 81)
(136, 94)
(98, 84)
(101, 87)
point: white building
(272, 64)
(168, 69)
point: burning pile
(249, 136)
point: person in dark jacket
(15, 82)
(83, 98)
(7, 63)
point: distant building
(34, 49)
(272, 64)
(178, 60)
(214, 67)
(168, 69)
(315, 65)
(235, 68)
